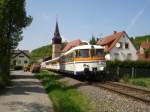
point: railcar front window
(84, 53)
(92, 52)
(99, 52)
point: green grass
(144, 82)
(64, 98)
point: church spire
(56, 33)
(57, 38)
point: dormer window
(126, 45)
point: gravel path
(25, 95)
(105, 101)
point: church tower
(56, 42)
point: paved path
(25, 95)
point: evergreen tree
(93, 40)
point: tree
(13, 19)
(93, 40)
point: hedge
(132, 69)
(129, 64)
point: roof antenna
(147, 40)
(56, 17)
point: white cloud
(138, 15)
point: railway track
(129, 91)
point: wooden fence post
(118, 69)
(132, 75)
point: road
(25, 95)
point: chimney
(114, 32)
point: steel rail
(126, 91)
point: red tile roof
(71, 45)
(110, 41)
(145, 45)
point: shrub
(129, 64)
(18, 67)
(125, 78)
(3, 82)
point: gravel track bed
(105, 101)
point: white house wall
(20, 61)
(123, 52)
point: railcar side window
(99, 52)
(84, 53)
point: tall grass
(144, 82)
(65, 99)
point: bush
(18, 67)
(129, 64)
(1, 82)
(125, 78)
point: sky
(80, 19)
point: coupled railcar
(80, 60)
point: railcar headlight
(87, 66)
(102, 63)
(84, 65)
(102, 68)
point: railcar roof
(55, 59)
(76, 48)
(84, 47)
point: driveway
(25, 95)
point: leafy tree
(93, 40)
(147, 53)
(41, 52)
(139, 39)
(13, 19)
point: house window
(129, 56)
(21, 56)
(25, 62)
(126, 45)
(121, 44)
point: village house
(144, 51)
(19, 58)
(118, 47)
